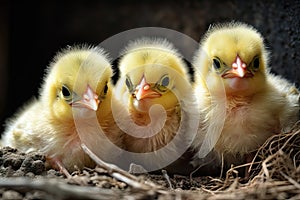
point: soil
(19, 171)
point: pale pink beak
(89, 100)
(239, 68)
(143, 90)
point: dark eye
(65, 92)
(256, 63)
(216, 64)
(129, 84)
(105, 89)
(165, 81)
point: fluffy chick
(243, 102)
(75, 95)
(153, 73)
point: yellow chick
(243, 103)
(155, 87)
(75, 95)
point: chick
(155, 87)
(243, 102)
(75, 95)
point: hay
(279, 157)
(274, 173)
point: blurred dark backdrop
(31, 32)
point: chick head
(154, 71)
(77, 79)
(235, 55)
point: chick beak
(89, 100)
(143, 90)
(239, 68)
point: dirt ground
(275, 175)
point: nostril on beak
(147, 87)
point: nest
(274, 173)
(280, 157)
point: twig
(294, 159)
(58, 189)
(118, 173)
(244, 165)
(209, 191)
(264, 165)
(288, 140)
(227, 179)
(164, 172)
(222, 166)
(62, 168)
(292, 181)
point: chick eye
(216, 64)
(256, 63)
(66, 92)
(105, 89)
(129, 84)
(163, 83)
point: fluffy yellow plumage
(76, 94)
(153, 73)
(234, 86)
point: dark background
(31, 32)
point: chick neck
(238, 100)
(144, 119)
(161, 138)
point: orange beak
(239, 69)
(89, 100)
(143, 90)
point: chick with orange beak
(154, 87)
(74, 107)
(242, 101)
